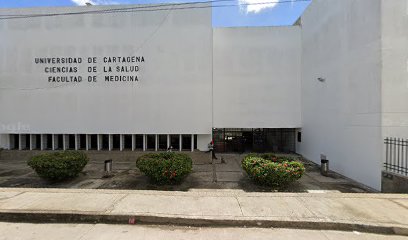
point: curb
(42, 217)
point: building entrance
(254, 140)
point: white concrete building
(359, 49)
(335, 83)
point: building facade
(334, 84)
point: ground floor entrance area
(223, 173)
(255, 140)
(106, 142)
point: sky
(245, 13)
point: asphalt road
(112, 232)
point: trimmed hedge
(166, 167)
(59, 165)
(272, 170)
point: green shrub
(166, 167)
(272, 170)
(59, 165)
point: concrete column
(168, 141)
(31, 141)
(110, 142)
(77, 141)
(53, 141)
(192, 142)
(42, 141)
(156, 142)
(64, 141)
(122, 140)
(86, 142)
(144, 142)
(133, 142)
(99, 142)
(180, 142)
(20, 142)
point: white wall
(172, 96)
(202, 141)
(341, 117)
(257, 77)
(394, 27)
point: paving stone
(202, 168)
(267, 206)
(87, 202)
(230, 176)
(354, 209)
(146, 232)
(176, 205)
(197, 177)
(322, 179)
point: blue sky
(255, 14)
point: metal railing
(396, 155)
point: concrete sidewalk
(379, 213)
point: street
(112, 232)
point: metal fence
(396, 155)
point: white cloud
(82, 2)
(94, 2)
(257, 5)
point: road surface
(31, 231)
